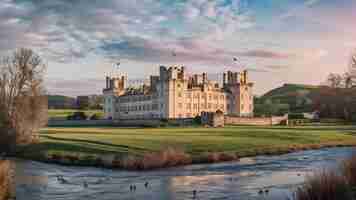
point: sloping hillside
(289, 90)
(291, 97)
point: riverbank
(150, 148)
(5, 183)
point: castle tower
(173, 84)
(240, 101)
(114, 87)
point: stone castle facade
(174, 95)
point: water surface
(280, 175)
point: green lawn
(245, 140)
(63, 113)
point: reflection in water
(279, 175)
(7, 189)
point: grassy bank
(132, 147)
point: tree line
(337, 98)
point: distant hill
(287, 98)
(289, 90)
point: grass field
(63, 113)
(244, 140)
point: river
(280, 175)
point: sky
(278, 41)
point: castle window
(180, 105)
(242, 106)
(222, 97)
(195, 106)
(189, 106)
(155, 107)
(209, 105)
(203, 106)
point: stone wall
(80, 123)
(137, 122)
(211, 119)
(5, 180)
(256, 121)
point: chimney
(229, 77)
(236, 77)
(205, 78)
(224, 79)
(183, 72)
(107, 82)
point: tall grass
(348, 168)
(4, 180)
(169, 157)
(330, 184)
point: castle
(174, 95)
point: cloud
(267, 54)
(311, 2)
(276, 67)
(64, 30)
(187, 50)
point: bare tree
(335, 80)
(352, 65)
(23, 104)
(349, 80)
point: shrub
(197, 120)
(348, 169)
(295, 116)
(94, 117)
(325, 185)
(69, 117)
(77, 116)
